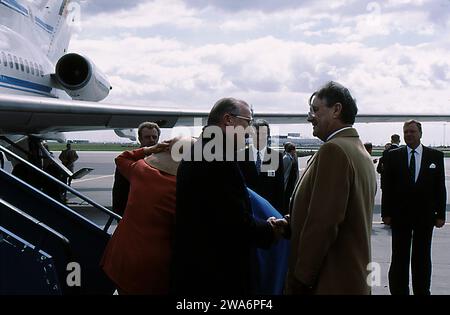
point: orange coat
(137, 258)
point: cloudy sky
(393, 55)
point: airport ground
(98, 184)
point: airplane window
(32, 67)
(10, 61)
(22, 67)
(36, 68)
(5, 61)
(41, 71)
(27, 66)
(16, 62)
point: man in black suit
(395, 143)
(290, 166)
(263, 169)
(148, 135)
(414, 203)
(216, 234)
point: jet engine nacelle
(80, 78)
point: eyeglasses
(247, 119)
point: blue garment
(272, 262)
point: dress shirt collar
(336, 132)
(418, 150)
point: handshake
(280, 227)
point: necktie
(258, 162)
(412, 166)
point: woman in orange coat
(137, 258)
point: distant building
(280, 140)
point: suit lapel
(404, 165)
(299, 181)
(423, 163)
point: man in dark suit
(290, 165)
(216, 234)
(395, 143)
(263, 169)
(148, 135)
(414, 203)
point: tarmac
(98, 184)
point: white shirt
(418, 157)
(336, 132)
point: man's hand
(277, 227)
(439, 223)
(282, 223)
(387, 220)
(159, 147)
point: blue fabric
(272, 262)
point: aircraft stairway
(25, 268)
(27, 214)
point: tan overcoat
(331, 219)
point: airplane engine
(81, 79)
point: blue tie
(258, 162)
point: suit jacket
(68, 158)
(380, 166)
(290, 179)
(267, 184)
(216, 234)
(120, 191)
(331, 219)
(421, 202)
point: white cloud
(145, 15)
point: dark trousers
(403, 236)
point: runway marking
(88, 179)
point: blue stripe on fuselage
(25, 84)
(14, 5)
(23, 90)
(44, 25)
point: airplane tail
(56, 18)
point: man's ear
(337, 110)
(227, 120)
